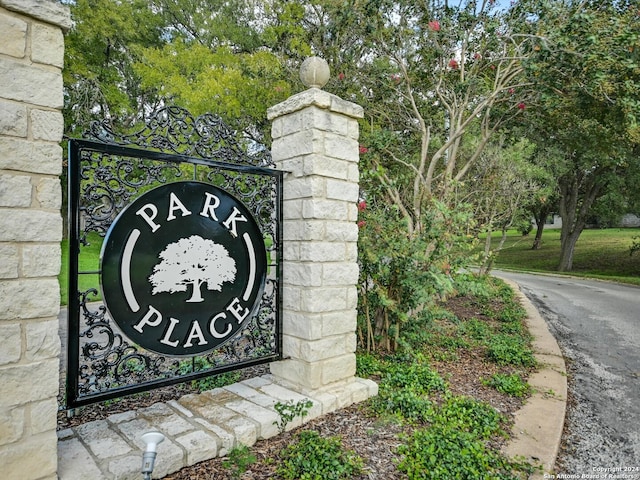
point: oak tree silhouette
(192, 261)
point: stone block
(335, 323)
(35, 450)
(322, 300)
(41, 260)
(13, 118)
(304, 274)
(304, 187)
(11, 347)
(26, 383)
(325, 166)
(353, 173)
(225, 440)
(244, 430)
(340, 273)
(102, 440)
(12, 424)
(341, 231)
(51, 12)
(327, 347)
(352, 298)
(43, 416)
(291, 297)
(342, 190)
(31, 84)
(14, 36)
(246, 391)
(322, 252)
(9, 260)
(75, 462)
(47, 45)
(291, 252)
(341, 147)
(299, 373)
(33, 298)
(293, 166)
(324, 209)
(338, 369)
(117, 418)
(292, 209)
(199, 446)
(325, 120)
(297, 144)
(15, 191)
(306, 325)
(170, 459)
(207, 407)
(370, 385)
(128, 468)
(24, 225)
(47, 125)
(18, 154)
(265, 419)
(167, 420)
(298, 230)
(43, 340)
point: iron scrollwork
(171, 147)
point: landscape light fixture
(151, 440)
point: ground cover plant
(441, 387)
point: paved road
(597, 325)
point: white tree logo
(192, 261)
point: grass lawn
(88, 261)
(599, 253)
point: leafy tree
(99, 80)
(499, 188)
(436, 82)
(587, 72)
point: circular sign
(183, 268)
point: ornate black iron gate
(210, 301)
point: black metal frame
(109, 172)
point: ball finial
(314, 72)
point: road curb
(537, 431)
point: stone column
(315, 140)
(31, 126)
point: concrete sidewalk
(537, 431)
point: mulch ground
(373, 439)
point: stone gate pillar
(31, 126)
(315, 140)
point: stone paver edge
(537, 431)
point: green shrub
(368, 364)
(418, 377)
(289, 410)
(406, 404)
(442, 452)
(512, 384)
(510, 350)
(469, 415)
(475, 329)
(313, 457)
(238, 460)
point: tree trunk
(540, 217)
(568, 243)
(485, 266)
(577, 195)
(196, 294)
